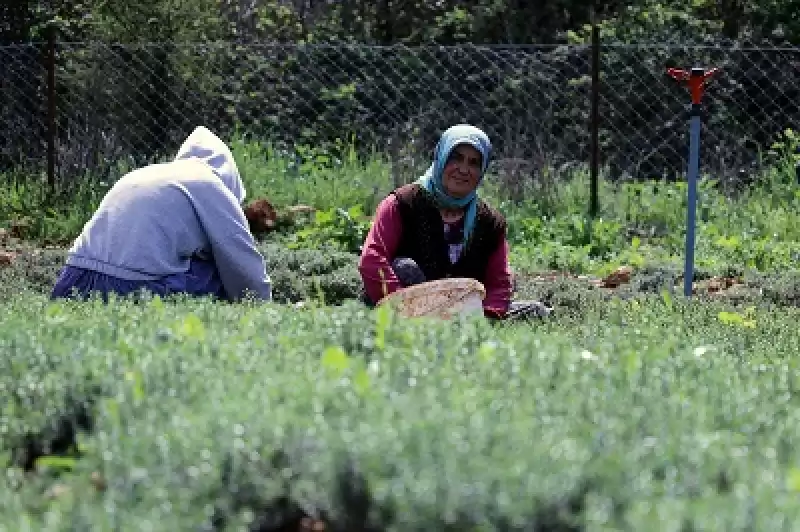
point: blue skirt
(202, 279)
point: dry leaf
(619, 276)
(261, 216)
(57, 491)
(19, 228)
(7, 258)
(308, 524)
(98, 481)
(296, 209)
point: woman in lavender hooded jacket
(171, 228)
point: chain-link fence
(133, 103)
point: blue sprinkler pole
(696, 81)
(691, 214)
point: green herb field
(630, 408)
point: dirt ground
(12, 247)
(623, 276)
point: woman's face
(462, 172)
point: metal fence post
(595, 118)
(51, 109)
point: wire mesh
(131, 104)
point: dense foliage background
(387, 76)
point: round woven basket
(445, 298)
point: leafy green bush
(336, 228)
(331, 277)
(188, 415)
(297, 275)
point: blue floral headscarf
(432, 180)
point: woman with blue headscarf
(438, 227)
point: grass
(639, 224)
(633, 409)
(641, 414)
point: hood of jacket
(205, 146)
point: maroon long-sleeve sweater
(379, 251)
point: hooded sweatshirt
(154, 220)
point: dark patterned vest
(423, 238)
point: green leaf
(361, 381)
(793, 479)
(156, 304)
(138, 384)
(54, 313)
(667, 298)
(192, 327)
(335, 359)
(382, 320)
(632, 363)
(127, 352)
(486, 352)
(734, 318)
(58, 463)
